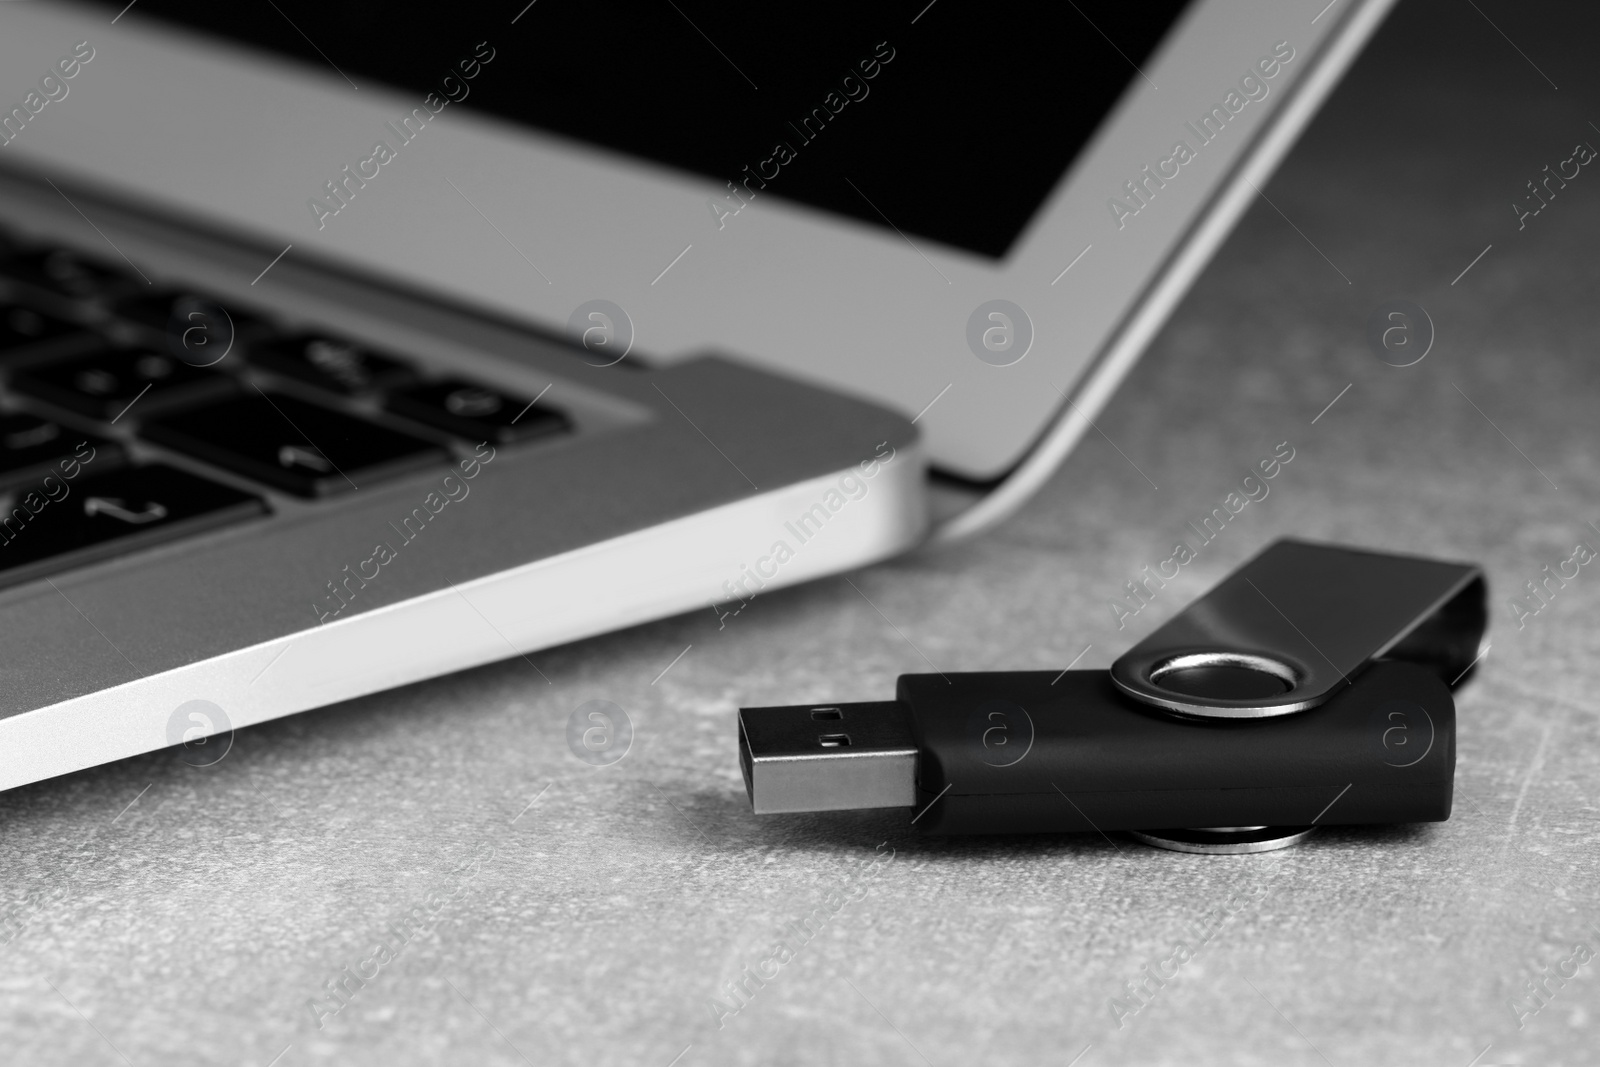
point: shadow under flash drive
(1310, 687)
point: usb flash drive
(1310, 687)
(1036, 751)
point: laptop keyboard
(86, 345)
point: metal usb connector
(828, 757)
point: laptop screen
(944, 120)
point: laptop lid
(976, 214)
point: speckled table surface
(531, 908)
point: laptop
(344, 346)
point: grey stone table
(534, 909)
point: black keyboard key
(67, 274)
(332, 364)
(32, 447)
(104, 383)
(199, 330)
(298, 447)
(22, 329)
(475, 412)
(103, 515)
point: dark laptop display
(949, 110)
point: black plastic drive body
(1042, 752)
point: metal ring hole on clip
(1225, 676)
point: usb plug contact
(828, 757)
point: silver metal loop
(1225, 840)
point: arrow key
(293, 445)
(102, 515)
